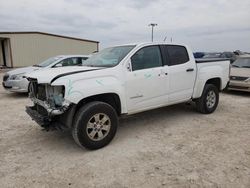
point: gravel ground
(168, 147)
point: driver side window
(147, 57)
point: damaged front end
(49, 105)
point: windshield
(242, 63)
(48, 62)
(108, 57)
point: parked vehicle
(230, 55)
(240, 75)
(199, 54)
(226, 55)
(212, 55)
(123, 80)
(14, 80)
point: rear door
(182, 73)
(147, 82)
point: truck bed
(207, 60)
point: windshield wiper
(245, 66)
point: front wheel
(208, 102)
(95, 125)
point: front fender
(76, 90)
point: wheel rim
(211, 99)
(98, 126)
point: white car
(14, 80)
(123, 80)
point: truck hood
(23, 70)
(49, 75)
(242, 72)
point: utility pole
(152, 33)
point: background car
(229, 55)
(212, 55)
(199, 54)
(240, 75)
(14, 80)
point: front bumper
(16, 85)
(239, 85)
(43, 121)
(51, 111)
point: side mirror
(128, 65)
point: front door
(147, 82)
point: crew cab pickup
(123, 80)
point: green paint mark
(70, 88)
(147, 75)
(99, 82)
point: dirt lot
(168, 147)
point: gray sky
(210, 25)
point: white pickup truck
(123, 80)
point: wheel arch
(200, 85)
(215, 81)
(112, 99)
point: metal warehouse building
(19, 49)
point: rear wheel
(208, 102)
(95, 125)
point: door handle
(190, 70)
(162, 74)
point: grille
(38, 90)
(41, 110)
(41, 93)
(33, 87)
(5, 77)
(238, 78)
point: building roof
(49, 34)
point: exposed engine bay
(49, 104)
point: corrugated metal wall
(1, 55)
(30, 49)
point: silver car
(14, 80)
(240, 75)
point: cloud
(196, 22)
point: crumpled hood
(47, 76)
(23, 70)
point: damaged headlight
(56, 96)
(58, 99)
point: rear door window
(177, 54)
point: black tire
(84, 116)
(202, 104)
